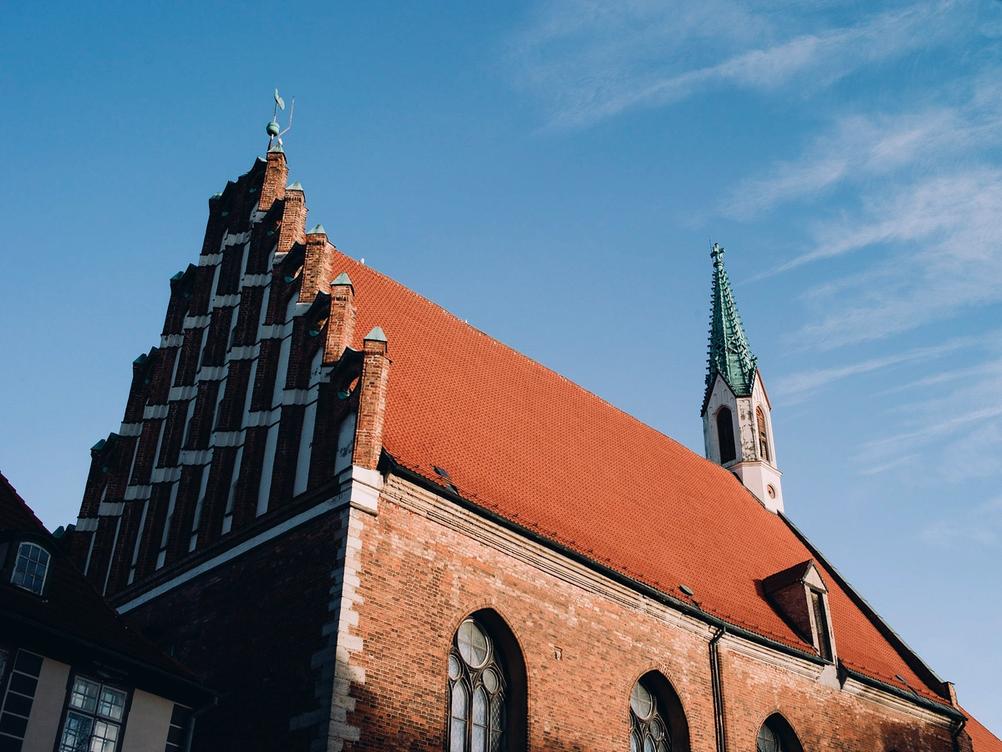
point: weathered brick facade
(284, 513)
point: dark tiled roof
(70, 605)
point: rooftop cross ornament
(273, 129)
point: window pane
(479, 739)
(479, 721)
(76, 733)
(480, 707)
(767, 740)
(641, 702)
(472, 644)
(104, 738)
(84, 694)
(490, 680)
(457, 736)
(111, 704)
(457, 727)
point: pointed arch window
(657, 722)
(776, 735)
(486, 688)
(725, 435)
(763, 435)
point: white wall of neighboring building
(47, 707)
(148, 723)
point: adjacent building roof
(729, 354)
(71, 622)
(532, 447)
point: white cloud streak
(799, 386)
(981, 526)
(588, 60)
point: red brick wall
(419, 579)
(251, 627)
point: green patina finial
(274, 130)
(729, 352)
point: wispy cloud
(588, 60)
(981, 526)
(799, 386)
(858, 147)
(923, 194)
(934, 243)
(950, 375)
(953, 425)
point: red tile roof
(983, 739)
(533, 447)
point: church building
(367, 525)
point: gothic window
(657, 723)
(478, 688)
(776, 735)
(487, 707)
(648, 732)
(30, 567)
(763, 435)
(725, 435)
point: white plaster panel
(148, 723)
(47, 707)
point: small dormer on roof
(801, 597)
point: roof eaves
(604, 569)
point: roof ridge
(530, 360)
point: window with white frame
(30, 567)
(94, 716)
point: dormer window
(819, 609)
(800, 595)
(30, 567)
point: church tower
(737, 415)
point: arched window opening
(725, 435)
(31, 568)
(776, 735)
(763, 435)
(486, 687)
(657, 722)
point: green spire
(728, 351)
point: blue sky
(554, 172)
